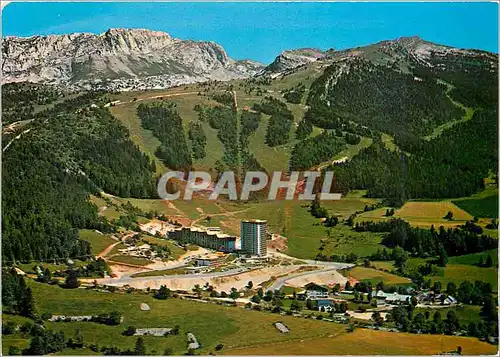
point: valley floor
(240, 331)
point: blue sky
(261, 30)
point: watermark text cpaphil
(297, 185)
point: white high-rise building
(254, 237)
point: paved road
(127, 279)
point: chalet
(315, 291)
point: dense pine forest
(47, 180)
(294, 95)
(278, 129)
(382, 98)
(224, 120)
(312, 151)
(408, 105)
(429, 242)
(19, 100)
(249, 123)
(166, 124)
(198, 140)
(452, 165)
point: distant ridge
(118, 59)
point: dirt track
(221, 283)
(330, 278)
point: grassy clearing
(388, 141)
(17, 339)
(433, 210)
(29, 268)
(376, 215)
(347, 205)
(304, 232)
(175, 271)
(356, 193)
(483, 204)
(425, 214)
(174, 248)
(127, 259)
(374, 276)
(271, 158)
(145, 139)
(473, 259)
(369, 342)
(105, 209)
(466, 313)
(457, 270)
(458, 273)
(202, 207)
(212, 324)
(155, 205)
(480, 207)
(383, 265)
(98, 241)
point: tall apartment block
(254, 237)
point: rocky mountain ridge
(118, 59)
(139, 59)
(291, 59)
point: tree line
(294, 95)
(383, 98)
(198, 140)
(47, 181)
(224, 120)
(429, 242)
(166, 124)
(278, 128)
(312, 151)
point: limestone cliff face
(117, 59)
(290, 59)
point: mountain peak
(118, 59)
(135, 31)
(290, 59)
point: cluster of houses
(324, 300)
(429, 298)
(320, 295)
(141, 251)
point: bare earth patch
(329, 278)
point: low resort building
(207, 238)
(211, 260)
(392, 299)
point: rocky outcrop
(118, 59)
(291, 59)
